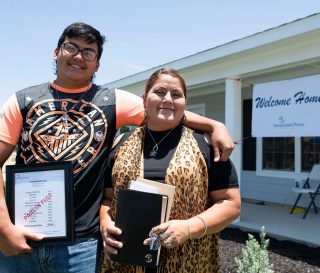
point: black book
(137, 213)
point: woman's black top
(221, 174)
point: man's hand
(222, 142)
(13, 241)
(220, 138)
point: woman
(207, 197)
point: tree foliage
(255, 256)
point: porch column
(233, 119)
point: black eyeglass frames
(88, 54)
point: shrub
(255, 256)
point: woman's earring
(145, 114)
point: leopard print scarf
(187, 170)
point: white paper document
(40, 202)
(145, 185)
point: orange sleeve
(10, 121)
(129, 109)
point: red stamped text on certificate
(38, 206)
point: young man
(71, 119)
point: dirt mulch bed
(286, 256)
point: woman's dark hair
(165, 71)
(82, 30)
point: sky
(140, 34)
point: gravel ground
(286, 256)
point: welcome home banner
(287, 108)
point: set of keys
(155, 242)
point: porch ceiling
(305, 68)
(295, 70)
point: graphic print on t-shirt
(65, 129)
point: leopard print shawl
(187, 170)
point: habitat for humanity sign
(287, 108)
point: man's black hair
(82, 30)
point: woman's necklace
(155, 148)
(65, 116)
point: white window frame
(296, 174)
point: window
(310, 152)
(278, 153)
(125, 129)
(249, 143)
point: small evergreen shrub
(255, 256)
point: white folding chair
(311, 187)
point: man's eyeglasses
(88, 54)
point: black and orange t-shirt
(50, 123)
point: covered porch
(279, 223)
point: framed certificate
(40, 199)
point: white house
(220, 84)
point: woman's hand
(108, 229)
(110, 244)
(172, 233)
